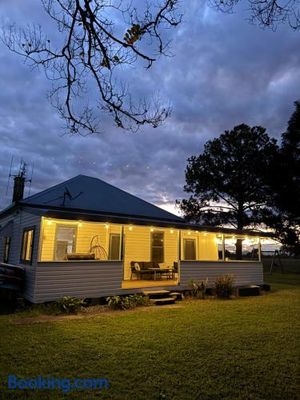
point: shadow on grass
(6, 309)
(280, 279)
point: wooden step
(251, 290)
(177, 295)
(265, 287)
(163, 301)
(154, 294)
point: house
(87, 238)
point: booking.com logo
(51, 383)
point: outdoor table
(160, 271)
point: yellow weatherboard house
(86, 238)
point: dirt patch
(45, 318)
(87, 314)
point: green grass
(282, 279)
(289, 265)
(246, 349)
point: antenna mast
(19, 180)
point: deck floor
(141, 283)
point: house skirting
(244, 272)
(83, 279)
(95, 279)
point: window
(241, 248)
(189, 249)
(114, 246)
(27, 245)
(157, 247)
(6, 251)
(65, 241)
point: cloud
(223, 71)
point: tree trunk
(239, 249)
(240, 226)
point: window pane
(241, 248)
(24, 244)
(157, 239)
(114, 246)
(27, 244)
(65, 241)
(6, 248)
(189, 248)
(157, 247)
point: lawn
(246, 348)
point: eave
(83, 215)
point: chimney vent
(19, 183)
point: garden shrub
(70, 305)
(139, 300)
(198, 288)
(126, 302)
(224, 286)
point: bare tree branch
(266, 13)
(96, 46)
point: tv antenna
(30, 180)
(21, 174)
(9, 175)
(68, 194)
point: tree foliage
(226, 181)
(244, 179)
(99, 39)
(283, 180)
(266, 13)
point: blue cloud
(223, 71)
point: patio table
(160, 271)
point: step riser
(249, 291)
(162, 302)
(177, 296)
(160, 297)
(153, 297)
(158, 294)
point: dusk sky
(224, 71)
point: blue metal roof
(88, 194)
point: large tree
(284, 186)
(226, 181)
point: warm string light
(248, 241)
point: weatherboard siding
(3, 222)
(83, 279)
(244, 272)
(21, 220)
(138, 246)
(208, 247)
(85, 232)
(137, 241)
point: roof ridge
(132, 195)
(49, 189)
(83, 180)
